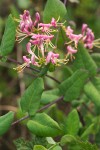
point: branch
(8, 107)
(41, 109)
(88, 109)
(65, 2)
(36, 70)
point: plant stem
(36, 70)
(88, 109)
(41, 109)
(65, 2)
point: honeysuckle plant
(49, 45)
(40, 49)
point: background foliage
(82, 95)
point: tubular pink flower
(75, 38)
(84, 27)
(42, 48)
(40, 40)
(89, 35)
(54, 22)
(88, 38)
(42, 36)
(26, 22)
(69, 31)
(28, 47)
(37, 18)
(35, 42)
(26, 60)
(33, 62)
(71, 50)
(29, 61)
(45, 27)
(52, 57)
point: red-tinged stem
(65, 2)
(41, 109)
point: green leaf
(5, 122)
(39, 147)
(86, 145)
(67, 139)
(96, 82)
(51, 67)
(92, 93)
(8, 39)
(14, 11)
(96, 58)
(54, 9)
(49, 96)
(30, 100)
(57, 147)
(66, 72)
(74, 142)
(87, 132)
(50, 140)
(22, 144)
(84, 61)
(72, 86)
(44, 70)
(43, 125)
(46, 98)
(72, 123)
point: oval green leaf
(30, 100)
(72, 87)
(92, 93)
(8, 39)
(43, 125)
(39, 147)
(83, 60)
(72, 122)
(5, 122)
(54, 9)
(67, 139)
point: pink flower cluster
(40, 49)
(40, 40)
(87, 37)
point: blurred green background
(12, 85)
